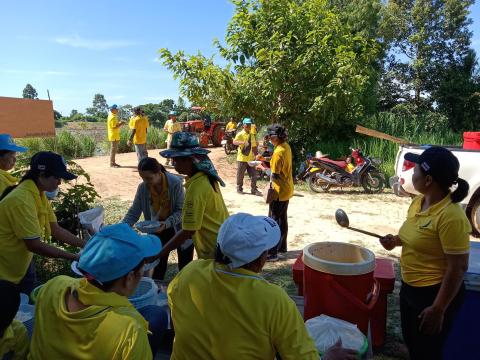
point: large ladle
(342, 220)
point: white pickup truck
(469, 170)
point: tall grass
(64, 143)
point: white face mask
(52, 194)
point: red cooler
(471, 140)
(338, 281)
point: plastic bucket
(338, 281)
(145, 294)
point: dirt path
(311, 216)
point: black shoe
(256, 193)
(240, 191)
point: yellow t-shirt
(14, 342)
(203, 212)
(112, 131)
(349, 168)
(427, 236)
(223, 314)
(243, 136)
(171, 127)
(24, 214)
(281, 164)
(109, 328)
(140, 124)
(6, 180)
(232, 125)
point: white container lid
(339, 258)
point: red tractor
(208, 131)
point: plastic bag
(325, 332)
(92, 220)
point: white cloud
(157, 60)
(116, 97)
(92, 44)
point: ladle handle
(365, 232)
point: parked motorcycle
(227, 141)
(324, 173)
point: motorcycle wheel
(232, 149)
(372, 182)
(317, 186)
(226, 148)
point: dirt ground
(311, 216)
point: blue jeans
(157, 318)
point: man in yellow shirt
(231, 125)
(223, 309)
(247, 150)
(139, 125)
(204, 209)
(113, 133)
(282, 181)
(171, 127)
(14, 340)
(8, 157)
(92, 318)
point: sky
(76, 49)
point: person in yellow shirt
(223, 309)
(8, 157)
(247, 150)
(282, 181)
(435, 245)
(171, 127)
(14, 342)
(113, 133)
(91, 317)
(231, 125)
(138, 136)
(349, 165)
(27, 221)
(204, 209)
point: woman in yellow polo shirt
(26, 218)
(204, 209)
(8, 157)
(435, 246)
(282, 182)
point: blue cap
(7, 143)
(244, 237)
(115, 251)
(114, 107)
(247, 121)
(172, 113)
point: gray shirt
(142, 204)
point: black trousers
(29, 281)
(184, 256)
(413, 300)
(278, 211)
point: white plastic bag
(92, 220)
(325, 332)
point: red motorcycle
(323, 173)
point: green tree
(458, 95)
(167, 105)
(426, 37)
(289, 61)
(125, 111)
(73, 112)
(99, 107)
(29, 92)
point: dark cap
(438, 162)
(52, 163)
(277, 130)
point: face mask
(52, 194)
